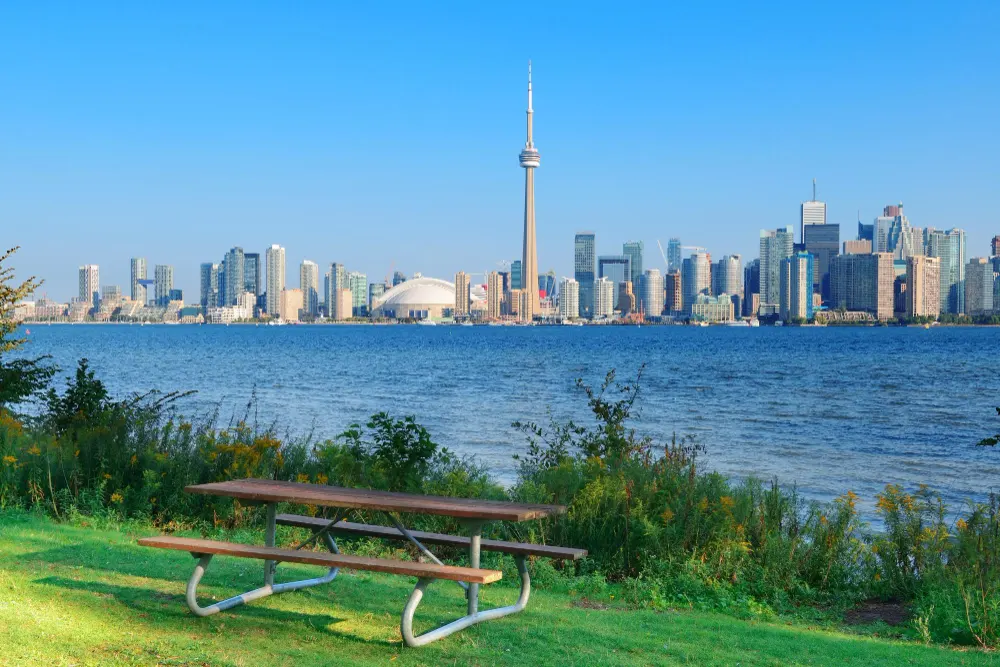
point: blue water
(828, 409)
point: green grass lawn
(72, 595)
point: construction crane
(666, 264)
(697, 248)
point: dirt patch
(590, 604)
(873, 611)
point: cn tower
(529, 260)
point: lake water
(829, 409)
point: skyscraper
(516, 281)
(674, 254)
(357, 282)
(605, 292)
(275, 256)
(823, 243)
(811, 212)
(235, 282)
(863, 282)
(139, 272)
(462, 296)
(797, 287)
(923, 286)
(727, 276)
(979, 287)
(547, 284)
(633, 250)
(585, 270)
(251, 274)
(616, 268)
(569, 299)
(90, 284)
(530, 160)
(775, 246)
(375, 292)
(163, 282)
(696, 278)
(751, 287)
(949, 247)
(995, 246)
(309, 285)
(651, 295)
(335, 280)
(209, 283)
(673, 296)
(494, 295)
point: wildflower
(116, 497)
(9, 460)
(960, 524)
(302, 477)
(703, 504)
(76, 453)
(322, 479)
(34, 451)
(727, 503)
(822, 520)
(107, 475)
(667, 515)
(134, 459)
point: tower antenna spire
(814, 189)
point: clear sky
(386, 135)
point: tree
(20, 379)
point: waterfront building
(90, 285)
(138, 272)
(811, 212)
(275, 256)
(995, 246)
(651, 294)
(163, 282)
(235, 278)
(979, 281)
(309, 286)
(334, 280)
(673, 295)
(796, 284)
(696, 277)
(751, 287)
(616, 268)
(524, 305)
(626, 298)
(463, 296)
(208, 292)
(727, 275)
(112, 294)
(423, 298)
(863, 282)
(775, 247)
(949, 247)
(674, 254)
(251, 274)
(585, 270)
(712, 308)
(529, 160)
(923, 286)
(175, 295)
(547, 285)
(357, 282)
(512, 302)
(375, 293)
(633, 250)
(494, 295)
(859, 247)
(516, 281)
(290, 304)
(604, 298)
(822, 241)
(343, 300)
(569, 299)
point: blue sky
(388, 136)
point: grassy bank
(79, 594)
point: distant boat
(27, 332)
(466, 324)
(738, 323)
(427, 322)
(754, 323)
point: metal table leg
(269, 565)
(476, 534)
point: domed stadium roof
(420, 291)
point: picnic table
(472, 513)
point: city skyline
(128, 168)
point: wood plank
(425, 570)
(391, 533)
(262, 490)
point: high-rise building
(923, 286)
(696, 277)
(585, 270)
(398, 277)
(823, 243)
(651, 295)
(309, 286)
(949, 247)
(494, 295)
(163, 282)
(727, 275)
(334, 281)
(979, 280)
(235, 276)
(674, 255)
(209, 284)
(604, 298)
(616, 268)
(796, 284)
(375, 292)
(251, 274)
(866, 233)
(569, 299)
(626, 298)
(113, 293)
(516, 281)
(863, 282)
(290, 304)
(275, 278)
(90, 284)
(357, 282)
(530, 160)
(673, 294)
(712, 308)
(342, 299)
(751, 287)
(462, 294)
(633, 250)
(775, 247)
(892, 232)
(859, 247)
(811, 212)
(547, 285)
(138, 272)
(995, 246)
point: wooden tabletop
(263, 490)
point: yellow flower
(322, 479)
(34, 451)
(960, 524)
(116, 497)
(76, 453)
(667, 515)
(107, 475)
(727, 503)
(134, 459)
(302, 477)
(9, 460)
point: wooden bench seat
(387, 532)
(407, 568)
